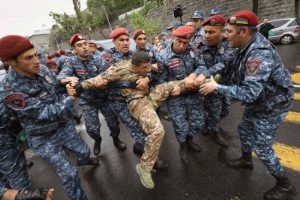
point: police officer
(177, 62)
(62, 59)
(13, 169)
(217, 57)
(142, 103)
(198, 38)
(84, 65)
(140, 39)
(263, 85)
(29, 90)
(120, 52)
(215, 11)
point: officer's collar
(85, 61)
(248, 44)
(15, 75)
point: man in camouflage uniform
(198, 19)
(217, 57)
(179, 62)
(116, 54)
(29, 89)
(141, 103)
(83, 66)
(264, 86)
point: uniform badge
(16, 100)
(221, 50)
(253, 67)
(150, 54)
(94, 68)
(48, 79)
(107, 57)
(192, 54)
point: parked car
(107, 44)
(285, 30)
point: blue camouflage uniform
(263, 85)
(189, 104)
(199, 38)
(13, 170)
(91, 101)
(61, 61)
(217, 59)
(117, 102)
(45, 117)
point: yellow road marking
(297, 95)
(293, 117)
(289, 156)
(296, 78)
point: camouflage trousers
(50, 146)
(13, 163)
(143, 110)
(120, 108)
(257, 133)
(90, 114)
(187, 115)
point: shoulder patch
(253, 67)
(107, 57)
(16, 100)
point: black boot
(138, 149)
(97, 146)
(283, 190)
(89, 161)
(160, 165)
(183, 153)
(192, 145)
(220, 140)
(243, 162)
(119, 144)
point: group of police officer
(197, 74)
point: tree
(77, 8)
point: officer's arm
(162, 72)
(257, 72)
(66, 72)
(201, 65)
(33, 108)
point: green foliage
(139, 20)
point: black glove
(79, 89)
(32, 194)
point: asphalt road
(205, 178)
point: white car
(285, 30)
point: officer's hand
(176, 91)
(199, 80)
(190, 81)
(71, 89)
(98, 82)
(142, 83)
(209, 87)
(65, 81)
(35, 194)
(154, 67)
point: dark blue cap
(174, 24)
(198, 14)
(215, 11)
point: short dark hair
(252, 29)
(140, 57)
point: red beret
(215, 20)
(13, 45)
(50, 62)
(56, 53)
(244, 18)
(183, 32)
(117, 32)
(138, 32)
(75, 38)
(62, 51)
(49, 56)
(92, 44)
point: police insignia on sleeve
(107, 57)
(16, 100)
(48, 79)
(94, 68)
(253, 67)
